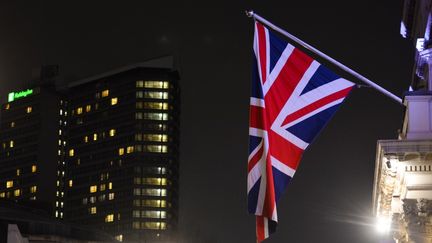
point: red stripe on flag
(270, 197)
(285, 83)
(284, 151)
(262, 50)
(256, 117)
(254, 160)
(260, 235)
(316, 105)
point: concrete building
(402, 198)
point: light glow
(383, 225)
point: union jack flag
(292, 98)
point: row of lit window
(151, 116)
(149, 214)
(18, 171)
(28, 109)
(152, 95)
(129, 149)
(9, 144)
(150, 192)
(63, 113)
(104, 93)
(17, 192)
(101, 198)
(88, 108)
(102, 187)
(152, 105)
(150, 203)
(151, 137)
(149, 225)
(150, 170)
(111, 133)
(152, 148)
(150, 181)
(152, 84)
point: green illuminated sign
(17, 95)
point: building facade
(402, 199)
(29, 138)
(122, 153)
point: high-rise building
(121, 166)
(30, 130)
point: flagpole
(322, 55)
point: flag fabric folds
(292, 98)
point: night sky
(329, 199)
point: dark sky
(329, 199)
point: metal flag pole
(322, 55)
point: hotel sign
(18, 95)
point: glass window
(33, 168)
(11, 143)
(155, 95)
(156, 116)
(121, 151)
(156, 84)
(153, 225)
(9, 184)
(102, 187)
(79, 110)
(111, 196)
(88, 108)
(71, 152)
(33, 189)
(105, 93)
(93, 189)
(29, 109)
(155, 148)
(93, 210)
(154, 192)
(155, 137)
(12, 124)
(95, 136)
(139, 84)
(112, 132)
(114, 101)
(110, 185)
(136, 214)
(154, 181)
(17, 192)
(130, 149)
(18, 172)
(153, 214)
(154, 203)
(70, 183)
(155, 105)
(85, 139)
(109, 218)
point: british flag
(292, 98)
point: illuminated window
(155, 148)
(92, 199)
(114, 101)
(137, 180)
(153, 225)
(33, 189)
(129, 149)
(111, 196)
(17, 192)
(139, 84)
(93, 189)
(7, 107)
(154, 203)
(121, 151)
(154, 181)
(71, 152)
(102, 187)
(9, 184)
(156, 84)
(11, 143)
(95, 136)
(153, 214)
(105, 93)
(70, 183)
(155, 105)
(154, 192)
(110, 185)
(2, 194)
(18, 172)
(12, 124)
(79, 110)
(33, 168)
(112, 132)
(155, 116)
(93, 210)
(109, 218)
(85, 139)
(136, 214)
(135, 225)
(119, 238)
(29, 109)
(88, 108)
(155, 137)
(155, 95)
